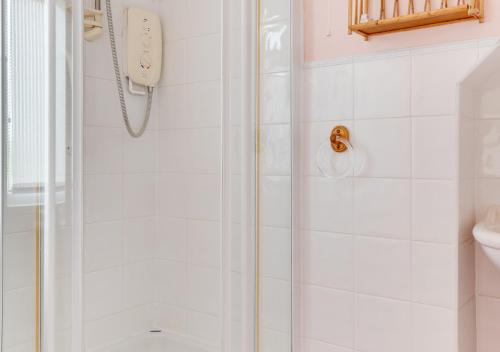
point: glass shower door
(36, 175)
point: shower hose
(116, 66)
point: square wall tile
(327, 205)
(140, 155)
(103, 150)
(382, 86)
(382, 325)
(434, 148)
(435, 211)
(174, 63)
(203, 58)
(328, 260)
(138, 284)
(139, 195)
(103, 293)
(488, 310)
(382, 267)
(328, 315)
(204, 243)
(487, 148)
(171, 286)
(374, 200)
(488, 275)
(434, 329)
(386, 147)
(139, 235)
(103, 245)
(203, 197)
(435, 78)
(328, 93)
(103, 198)
(171, 239)
(204, 289)
(434, 274)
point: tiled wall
(381, 249)
(151, 204)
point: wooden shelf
(416, 21)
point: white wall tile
(172, 281)
(487, 324)
(434, 274)
(138, 284)
(435, 211)
(203, 289)
(174, 63)
(103, 150)
(205, 17)
(204, 243)
(382, 267)
(103, 245)
(172, 194)
(103, 197)
(433, 329)
(139, 236)
(172, 318)
(328, 93)
(435, 148)
(488, 275)
(139, 195)
(204, 327)
(328, 260)
(204, 107)
(382, 87)
(203, 58)
(171, 239)
(328, 315)
(374, 200)
(203, 197)
(103, 293)
(101, 106)
(173, 107)
(382, 325)
(140, 154)
(435, 77)
(327, 205)
(386, 145)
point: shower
(174, 235)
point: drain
(154, 331)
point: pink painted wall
(320, 15)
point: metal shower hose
(119, 85)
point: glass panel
(26, 164)
(274, 176)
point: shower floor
(157, 342)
